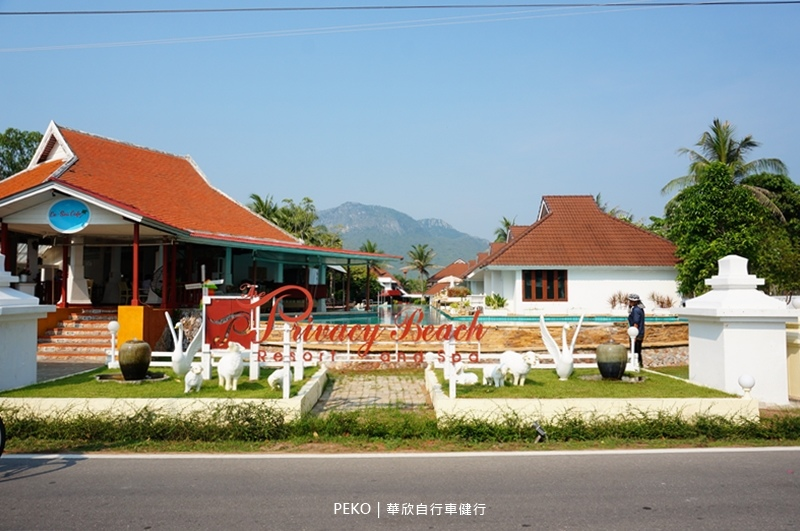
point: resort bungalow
(577, 259)
(97, 222)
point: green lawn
(678, 371)
(544, 383)
(86, 386)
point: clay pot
(611, 360)
(134, 359)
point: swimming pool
(383, 315)
(388, 315)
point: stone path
(359, 391)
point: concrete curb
(50, 407)
(546, 410)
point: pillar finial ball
(746, 381)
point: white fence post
(287, 358)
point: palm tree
(720, 145)
(421, 259)
(266, 207)
(502, 232)
(370, 247)
(616, 211)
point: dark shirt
(636, 317)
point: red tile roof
(573, 231)
(168, 189)
(456, 269)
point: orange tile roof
(165, 188)
(436, 288)
(30, 178)
(573, 231)
(456, 269)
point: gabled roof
(455, 269)
(167, 189)
(573, 231)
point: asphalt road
(675, 489)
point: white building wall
(589, 289)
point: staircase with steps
(84, 336)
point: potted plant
(23, 274)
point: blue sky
(463, 115)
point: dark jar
(134, 359)
(611, 360)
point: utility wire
(396, 7)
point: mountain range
(394, 232)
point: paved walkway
(52, 370)
(358, 391)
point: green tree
(16, 150)
(370, 246)
(421, 260)
(358, 284)
(299, 220)
(779, 254)
(721, 145)
(616, 211)
(264, 207)
(502, 233)
(712, 219)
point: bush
(495, 301)
(458, 291)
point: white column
(77, 289)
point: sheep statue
(562, 357)
(493, 374)
(517, 365)
(230, 367)
(193, 380)
(275, 380)
(462, 377)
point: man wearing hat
(636, 319)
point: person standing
(636, 319)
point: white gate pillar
(737, 330)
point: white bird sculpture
(562, 356)
(182, 361)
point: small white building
(577, 259)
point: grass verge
(86, 386)
(259, 428)
(544, 383)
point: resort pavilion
(97, 222)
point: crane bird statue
(562, 356)
(182, 361)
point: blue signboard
(68, 215)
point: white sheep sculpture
(462, 377)
(193, 380)
(230, 367)
(493, 375)
(517, 365)
(275, 380)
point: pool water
(384, 315)
(390, 315)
